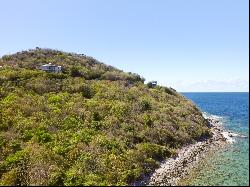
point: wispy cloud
(233, 85)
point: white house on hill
(51, 68)
(154, 83)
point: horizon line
(213, 91)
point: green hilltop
(90, 124)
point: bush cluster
(89, 125)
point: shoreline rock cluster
(173, 169)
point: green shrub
(87, 92)
(145, 105)
(154, 151)
(147, 120)
(14, 159)
(75, 72)
(92, 124)
(43, 137)
(10, 178)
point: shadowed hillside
(91, 124)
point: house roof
(50, 65)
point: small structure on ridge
(51, 68)
(152, 84)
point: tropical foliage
(91, 124)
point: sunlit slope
(91, 124)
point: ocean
(230, 165)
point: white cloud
(233, 85)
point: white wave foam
(229, 136)
(216, 117)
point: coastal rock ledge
(173, 169)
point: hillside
(91, 124)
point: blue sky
(190, 45)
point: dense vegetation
(92, 124)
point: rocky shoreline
(172, 170)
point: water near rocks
(230, 165)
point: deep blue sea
(230, 165)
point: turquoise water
(230, 165)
